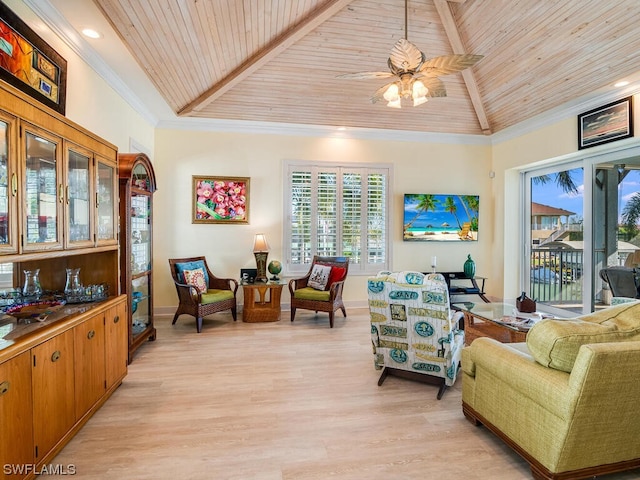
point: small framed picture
(220, 199)
(248, 275)
(606, 124)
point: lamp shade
(260, 243)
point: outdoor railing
(556, 276)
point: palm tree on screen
(425, 203)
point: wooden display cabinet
(58, 210)
(137, 185)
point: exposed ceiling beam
(451, 29)
(260, 58)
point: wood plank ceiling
(277, 60)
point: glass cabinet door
(140, 302)
(78, 198)
(8, 188)
(106, 202)
(140, 262)
(43, 192)
(140, 234)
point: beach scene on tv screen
(440, 217)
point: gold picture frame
(220, 199)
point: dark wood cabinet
(137, 185)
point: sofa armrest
(518, 370)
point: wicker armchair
(219, 293)
(328, 299)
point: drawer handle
(4, 388)
(91, 334)
(55, 356)
(116, 319)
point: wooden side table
(261, 302)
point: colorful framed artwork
(28, 63)
(220, 199)
(443, 218)
(606, 124)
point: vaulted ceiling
(278, 60)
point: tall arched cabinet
(137, 184)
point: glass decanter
(32, 286)
(73, 289)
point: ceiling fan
(417, 76)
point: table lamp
(261, 252)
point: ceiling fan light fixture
(419, 93)
(392, 93)
(395, 103)
(413, 71)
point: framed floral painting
(220, 199)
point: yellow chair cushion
(215, 295)
(308, 293)
(555, 343)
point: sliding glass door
(616, 213)
(580, 217)
(556, 257)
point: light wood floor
(280, 401)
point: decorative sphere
(275, 267)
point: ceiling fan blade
(434, 84)
(405, 57)
(365, 75)
(448, 64)
(379, 94)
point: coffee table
(493, 320)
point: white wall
(91, 102)
(417, 168)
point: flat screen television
(440, 218)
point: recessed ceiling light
(91, 33)
(342, 129)
(623, 83)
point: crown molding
(63, 29)
(271, 128)
(570, 109)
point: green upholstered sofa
(568, 399)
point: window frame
(588, 160)
(364, 169)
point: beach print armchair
(414, 332)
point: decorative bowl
(35, 310)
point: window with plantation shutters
(335, 210)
